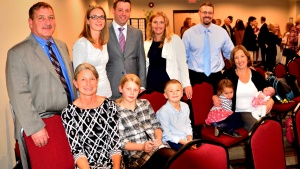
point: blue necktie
(206, 54)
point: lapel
(128, 39)
(114, 39)
(39, 51)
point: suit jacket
(262, 35)
(132, 61)
(33, 84)
(249, 40)
(231, 35)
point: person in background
(249, 40)
(278, 47)
(174, 117)
(91, 47)
(140, 132)
(256, 32)
(187, 23)
(205, 43)
(91, 124)
(261, 38)
(239, 32)
(33, 84)
(293, 38)
(218, 22)
(228, 28)
(247, 82)
(272, 40)
(125, 48)
(165, 55)
(285, 42)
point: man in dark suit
(128, 59)
(263, 32)
(33, 84)
(228, 28)
(249, 40)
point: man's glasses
(206, 13)
(95, 17)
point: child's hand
(193, 147)
(157, 142)
(148, 146)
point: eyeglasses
(95, 17)
(206, 13)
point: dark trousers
(159, 159)
(263, 54)
(199, 77)
(233, 121)
(175, 146)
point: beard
(207, 20)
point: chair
(297, 59)
(260, 70)
(294, 69)
(279, 70)
(208, 155)
(227, 64)
(264, 147)
(296, 129)
(56, 154)
(200, 105)
(156, 99)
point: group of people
(105, 122)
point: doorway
(179, 17)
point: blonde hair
(224, 83)
(86, 31)
(172, 81)
(85, 66)
(128, 78)
(167, 32)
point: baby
(259, 101)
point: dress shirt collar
(42, 41)
(116, 26)
(203, 28)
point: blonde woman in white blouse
(162, 44)
(91, 47)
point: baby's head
(269, 91)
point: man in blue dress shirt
(205, 43)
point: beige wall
(69, 18)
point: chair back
(265, 145)
(227, 64)
(297, 59)
(260, 70)
(208, 155)
(156, 99)
(296, 129)
(279, 70)
(57, 152)
(201, 103)
(294, 69)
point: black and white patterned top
(226, 104)
(93, 133)
(132, 127)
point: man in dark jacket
(249, 40)
(263, 31)
(229, 29)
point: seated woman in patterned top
(91, 124)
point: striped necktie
(121, 39)
(58, 70)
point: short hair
(207, 4)
(222, 84)
(250, 19)
(263, 19)
(85, 66)
(271, 27)
(230, 17)
(86, 32)
(167, 32)
(38, 6)
(236, 48)
(117, 1)
(171, 81)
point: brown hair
(38, 6)
(167, 32)
(222, 84)
(126, 78)
(86, 31)
(236, 48)
(117, 1)
(171, 81)
(208, 4)
(85, 66)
